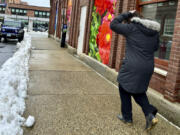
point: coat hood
(148, 27)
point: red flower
(100, 6)
(103, 5)
(109, 5)
(104, 41)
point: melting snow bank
(13, 89)
(30, 121)
(38, 34)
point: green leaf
(98, 56)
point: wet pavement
(7, 50)
(69, 98)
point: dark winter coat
(142, 40)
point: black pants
(141, 99)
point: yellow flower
(109, 17)
(108, 36)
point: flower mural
(104, 39)
(101, 34)
(69, 10)
(105, 5)
(96, 22)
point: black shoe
(155, 112)
(151, 121)
(128, 122)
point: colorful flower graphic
(105, 5)
(95, 24)
(69, 10)
(99, 4)
(108, 18)
(101, 34)
(104, 39)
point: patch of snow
(38, 34)
(13, 89)
(30, 121)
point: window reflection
(165, 14)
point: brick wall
(28, 7)
(114, 41)
(73, 20)
(88, 25)
(125, 5)
(158, 82)
(52, 17)
(30, 13)
(173, 79)
(59, 23)
(71, 24)
(84, 3)
(75, 23)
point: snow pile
(38, 33)
(13, 89)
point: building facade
(88, 32)
(32, 16)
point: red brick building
(83, 21)
(32, 16)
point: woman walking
(142, 40)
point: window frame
(2, 11)
(150, 2)
(22, 12)
(160, 63)
(166, 23)
(41, 14)
(25, 11)
(13, 10)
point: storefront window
(17, 10)
(40, 13)
(13, 10)
(165, 14)
(48, 14)
(169, 26)
(24, 21)
(36, 12)
(2, 9)
(40, 26)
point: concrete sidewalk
(68, 98)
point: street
(7, 50)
